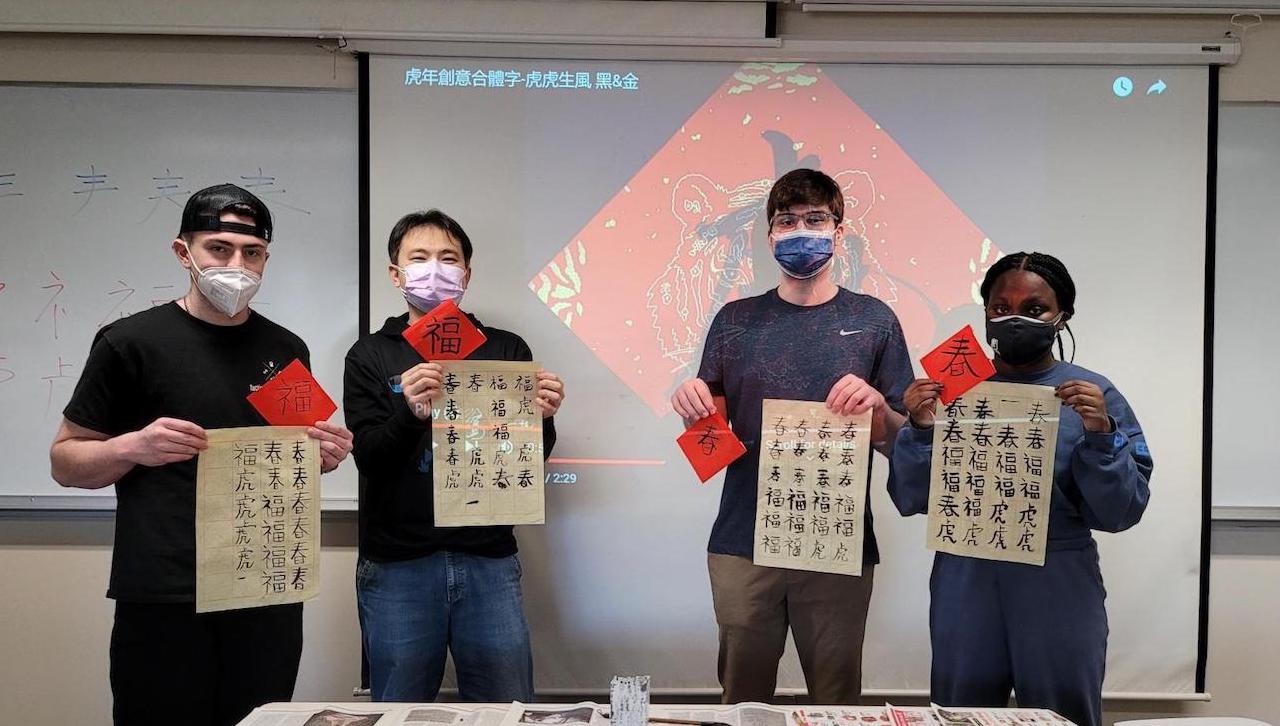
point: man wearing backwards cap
(153, 383)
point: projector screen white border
(376, 279)
(1224, 51)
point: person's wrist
(122, 448)
(1105, 427)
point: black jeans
(171, 665)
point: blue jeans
(412, 612)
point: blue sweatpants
(1038, 631)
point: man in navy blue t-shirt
(806, 340)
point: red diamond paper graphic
(641, 281)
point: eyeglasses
(786, 221)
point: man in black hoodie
(424, 590)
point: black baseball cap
(203, 209)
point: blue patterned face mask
(804, 253)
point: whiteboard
(1246, 296)
(92, 183)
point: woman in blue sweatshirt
(1039, 631)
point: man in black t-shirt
(153, 383)
(426, 591)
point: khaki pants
(828, 619)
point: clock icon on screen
(1123, 86)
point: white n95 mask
(229, 289)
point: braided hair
(1053, 272)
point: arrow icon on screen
(1156, 88)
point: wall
(57, 621)
(57, 624)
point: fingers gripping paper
(991, 478)
(812, 488)
(257, 518)
(487, 445)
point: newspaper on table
(838, 716)
(321, 714)
(438, 714)
(373, 714)
(911, 716)
(998, 717)
(588, 713)
(940, 716)
(748, 713)
(585, 713)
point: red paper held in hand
(710, 446)
(293, 397)
(445, 333)
(959, 363)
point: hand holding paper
(335, 443)
(1087, 400)
(693, 400)
(164, 441)
(550, 393)
(852, 396)
(420, 385)
(921, 400)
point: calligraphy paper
(812, 488)
(991, 477)
(257, 518)
(487, 445)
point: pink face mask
(427, 284)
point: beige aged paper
(812, 488)
(991, 477)
(257, 518)
(487, 445)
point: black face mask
(1019, 340)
